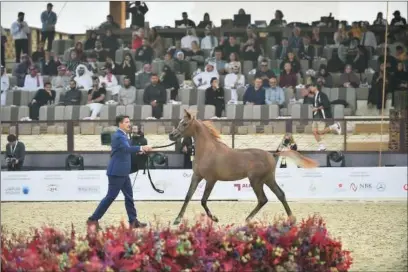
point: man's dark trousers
(117, 184)
(48, 35)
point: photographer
(288, 143)
(187, 148)
(138, 160)
(15, 153)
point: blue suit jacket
(120, 162)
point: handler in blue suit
(118, 174)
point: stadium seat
(304, 65)
(13, 81)
(317, 62)
(232, 112)
(57, 127)
(338, 111)
(84, 97)
(247, 66)
(336, 79)
(301, 111)
(157, 66)
(346, 94)
(200, 98)
(139, 96)
(188, 96)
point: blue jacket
(48, 19)
(120, 162)
(256, 97)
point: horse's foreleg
(208, 188)
(271, 183)
(257, 186)
(195, 180)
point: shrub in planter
(280, 246)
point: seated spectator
(73, 62)
(174, 50)
(156, 43)
(251, 38)
(5, 85)
(185, 22)
(255, 95)
(195, 54)
(356, 30)
(138, 37)
(203, 79)
(324, 78)
(380, 20)
(401, 77)
(391, 61)
(83, 78)
(251, 51)
(307, 51)
(100, 53)
(264, 73)
(288, 80)
(110, 44)
(375, 95)
(39, 54)
(111, 64)
(368, 38)
(169, 61)
(316, 39)
(214, 95)
(109, 23)
(209, 42)
(231, 46)
(233, 59)
(401, 55)
(145, 52)
(96, 97)
(186, 41)
(170, 82)
(181, 66)
(283, 49)
(234, 80)
(109, 81)
(340, 35)
(73, 96)
(278, 20)
(143, 78)
(360, 63)
(274, 94)
(61, 81)
(44, 96)
(128, 68)
(79, 49)
(90, 42)
(205, 23)
(335, 65)
(398, 20)
(155, 95)
(127, 94)
(296, 40)
(349, 79)
(22, 70)
(34, 81)
(219, 62)
(294, 63)
(50, 64)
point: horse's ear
(187, 114)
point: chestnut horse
(214, 160)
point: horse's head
(185, 128)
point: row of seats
(52, 114)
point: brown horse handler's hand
(146, 148)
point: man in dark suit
(283, 49)
(321, 111)
(307, 51)
(118, 174)
(15, 153)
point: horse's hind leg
(195, 180)
(257, 186)
(280, 194)
(208, 188)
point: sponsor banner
(320, 183)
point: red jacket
(137, 43)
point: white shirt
(5, 85)
(206, 42)
(112, 86)
(19, 33)
(369, 39)
(187, 40)
(31, 84)
(205, 79)
(231, 79)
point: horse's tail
(299, 159)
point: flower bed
(281, 246)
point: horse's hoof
(214, 218)
(177, 221)
(292, 219)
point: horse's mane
(213, 131)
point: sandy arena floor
(375, 232)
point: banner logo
(381, 187)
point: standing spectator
(5, 85)
(187, 148)
(264, 73)
(255, 95)
(316, 39)
(128, 68)
(144, 77)
(61, 81)
(34, 81)
(187, 40)
(73, 96)
(340, 35)
(170, 82)
(278, 20)
(138, 37)
(356, 30)
(380, 20)
(138, 12)
(109, 23)
(48, 20)
(209, 42)
(398, 20)
(90, 42)
(19, 30)
(44, 96)
(234, 80)
(96, 97)
(110, 44)
(145, 52)
(349, 79)
(283, 49)
(214, 95)
(401, 77)
(296, 40)
(205, 23)
(39, 54)
(321, 111)
(155, 95)
(15, 153)
(3, 46)
(185, 22)
(368, 39)
(274, 94)
(375, 95)
(127, 94)
(156, 43)
(288, 80)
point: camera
(106, 135)
(11, 161)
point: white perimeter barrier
(314, 184)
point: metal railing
(84, 135)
